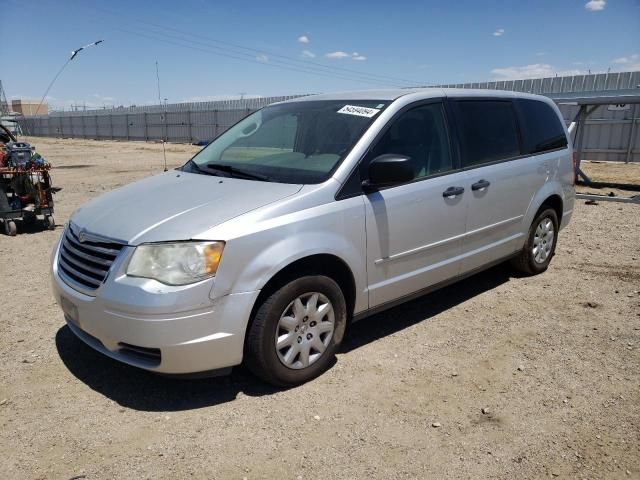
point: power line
(312, 66)
(305, 62)
(305, 66)
(277, 64)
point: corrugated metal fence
(609, 133)
(180, 122)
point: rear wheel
(296, 331)
(540, 245)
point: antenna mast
(164, 152)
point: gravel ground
(553, 360)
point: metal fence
(180, 122)
(611, 133)
(593, 82)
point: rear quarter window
(487, 131)
(540, 126)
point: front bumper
(166, 330)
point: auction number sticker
(359, 111)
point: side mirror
(389, 169)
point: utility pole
(4, 104)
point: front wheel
(296, 331)
(540, 245)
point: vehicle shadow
(423, 308)
(140, 390)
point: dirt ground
(554, 360)
(626, 175)
(616, 172)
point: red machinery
(25, 185)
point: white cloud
(536, 70)
(338, 55)
(595, 5)
(630, 63)
(262, 58)
(499, 32)
(626, 60)
(308, 54)
(303, 39)
(102, 98)
(540, 54)
(94, 101)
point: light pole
(74, 53)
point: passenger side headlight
(177, 263)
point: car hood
(175, 205)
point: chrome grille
(85, 264)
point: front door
(415, 230)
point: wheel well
(555, 202)
(321, 264)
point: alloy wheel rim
(304, 330)
(543, 240)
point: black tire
(49, 222)
(261, 356)
(10, 228)
(525, 261)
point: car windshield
(298, 142)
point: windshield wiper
(194, 166)
(237, 172)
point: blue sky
(270, 45)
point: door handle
(453, 192)
(480, 185)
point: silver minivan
(309, 214)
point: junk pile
(25, 185)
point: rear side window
(487, 131)
(541, 128)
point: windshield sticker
(359, 111)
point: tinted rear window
(487, 130)
(541, 127)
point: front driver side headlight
(177, 263)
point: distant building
(28, 107)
